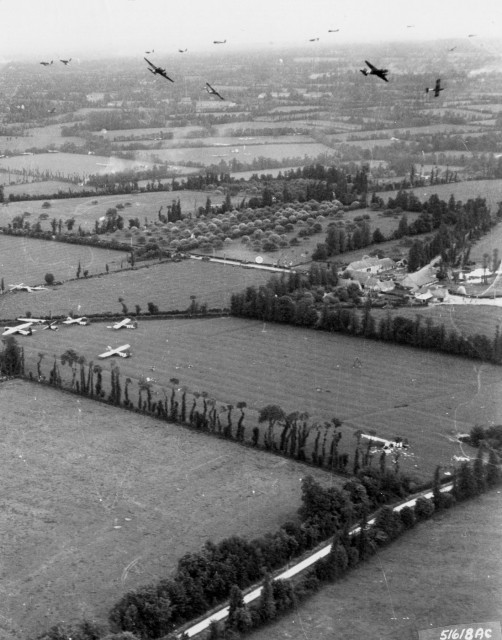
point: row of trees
(330, 308)
(224, 570)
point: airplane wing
(164, 75)
(371, 66)
(151, 64)
(107, 354)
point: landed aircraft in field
(437, 88)
(212, 91)
(374, 71)
(122, 352)
(83, 321)
(33, 320)
(25, 287)
(52, 326)
(126, 323)
(24, 329)
(158, 70)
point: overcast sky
(62, 28)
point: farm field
(86, 211)
(463, 319)
(444, 572)
(69, 164)
(169, 286)
(97, 501)
(398, 391)
(211, 155)
(27, 260)
(46, 187)
(489, 189)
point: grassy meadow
(98, 501)
(444, 572)
(398, 391)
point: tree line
(294, 299)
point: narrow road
(222, 613)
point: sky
(66, 28)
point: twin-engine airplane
(127, 323)
(122, 352)
(158, 70)
(373, 71)
(437, 88)
(47, 64)
(24, 329)
(25, 287)
(83, 321)
(213, 91)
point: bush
(49, 278)
(424, 508)
(407, 515)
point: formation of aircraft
(127, 323)
(24, 329)
(25, 287)
(437, 88)
(213, 91)
(158, 70)
(374, 71)
(122, 352)
(83, 321)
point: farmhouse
(372, 265)
(420, 278)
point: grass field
(97, 501)
(213, 155)
(444, 572)
(465, 321)
(86, 211)
(489, 189)
(423, 396)
(28, 260)
(169, 286)
(69, 164)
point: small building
(372, 265)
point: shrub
(407, 515)
(424, 508)
(49, 278)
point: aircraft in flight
(152, 51)
(122, 352)
(127, 323)
(159, 70)
(333, 30)
(213, 91)
(437, 88)
(25, 287)
(24, 329)
(65, 62)
(182, 50)
(219, 41)
(373, 71)
(83, 321)
(47, 64)
(313, 39)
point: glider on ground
(122, 352)
(127, 323)
(25, 287)
(83, 321)
(24, 329)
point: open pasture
(447, 571)
(489, 189)
(69, 164)
(398, 391)
(464, 319)
(212, 155)
(27, 260)
(169, 286)
(97, 501)
(86, 211)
